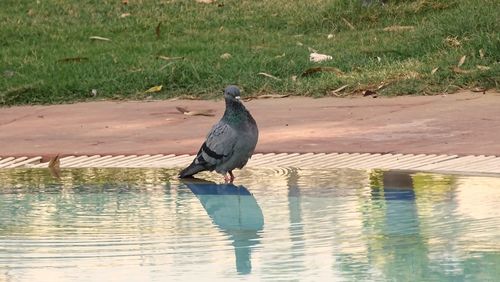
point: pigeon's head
(232, 93)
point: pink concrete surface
(465, 123)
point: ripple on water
(283, 223)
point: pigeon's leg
(227, 178)
(231, 175)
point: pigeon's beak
(237, 97)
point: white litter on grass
(316, 57)
(225, 56)
(99, 38)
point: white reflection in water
(290, 224)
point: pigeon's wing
(215, 150)
(219, 145)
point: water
(287, 224)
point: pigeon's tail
(191, 170)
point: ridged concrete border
(421, 162)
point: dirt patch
(464, 123)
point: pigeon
(230, 143)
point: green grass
(262, 36)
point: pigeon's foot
(229, 177)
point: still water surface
(288, 224)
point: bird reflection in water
(235, 211)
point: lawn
(54, 51)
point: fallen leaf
(158, 31)
(294, 78)
(195, 113)
(479, 89)
(99, 38)
(369, 93)
(154, 89)
(266, 96)
(316, 57)
(225, 56)
(299, 43)
(330, 36)
(259, 47)
(73, 59)
(310, 71)
(272, 96)
(382, 85)
(165, 58)
(9, 73)
(280, 56)
(205, 1)
(399, 28)
(348, 24)
(459, 70)
(54, 162)
(483, 68)
(481, 53)
(452, 41)
(462, 61)
(54, 167)
(434, 70)
(268, 75)
(136, 70)
(124, 15)
(339, 89)
(452, 89)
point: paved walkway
(463, 124)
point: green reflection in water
(288, 224)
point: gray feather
(230, 142)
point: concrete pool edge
(439, 163)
